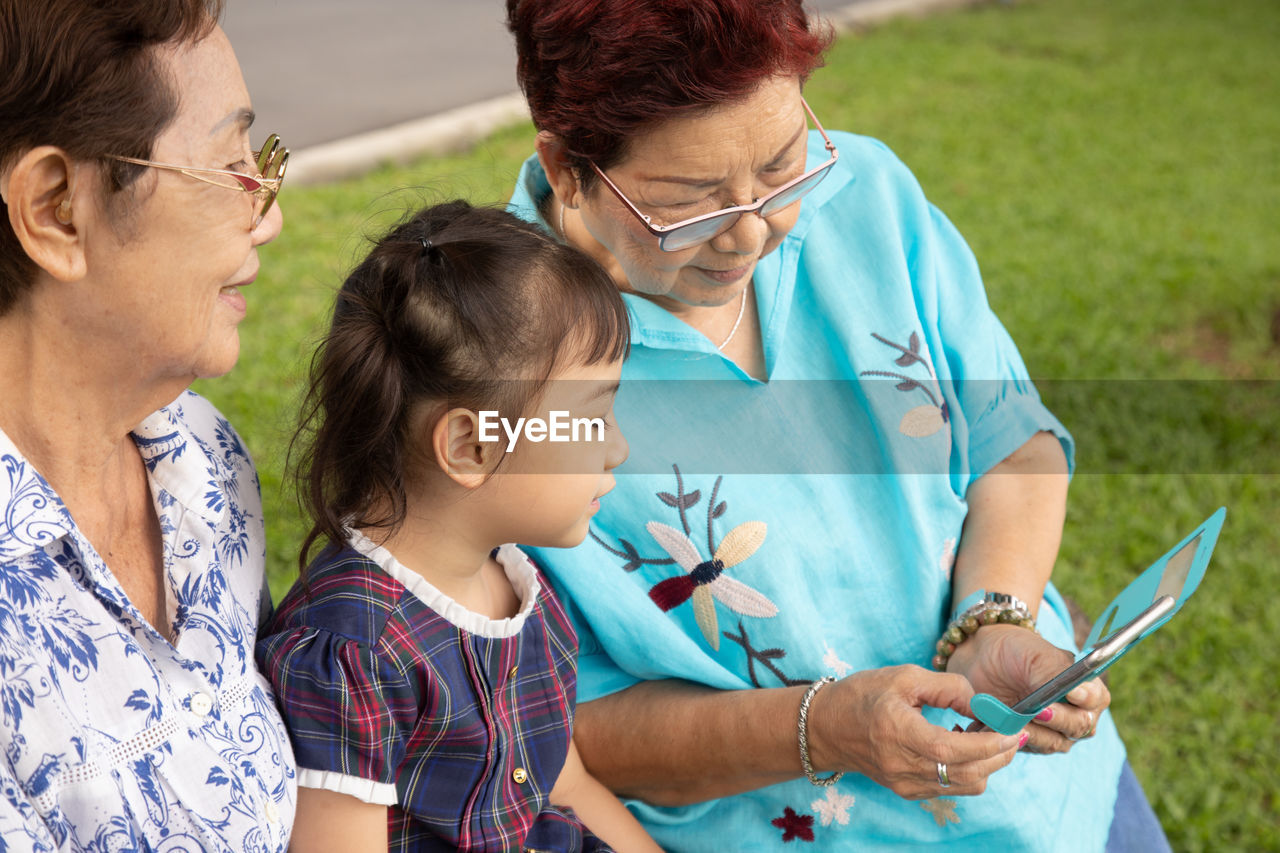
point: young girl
(424, 668)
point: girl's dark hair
(83, 75)
(454, 306)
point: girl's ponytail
(349, 438)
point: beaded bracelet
(992, 608)
(821, 782)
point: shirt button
(519, 776)
(514, 670)
(201, 703)
(273, 813)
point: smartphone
(1098, 658)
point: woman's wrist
(980, 610)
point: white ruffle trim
(519, 569)
(365, 790)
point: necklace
(742, 309)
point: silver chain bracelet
(804, 736)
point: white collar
(518, 567)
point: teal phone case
(1177, 574)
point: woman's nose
(269, 228)
(746, 237)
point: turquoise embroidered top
(771, 533)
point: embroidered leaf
(676, 544)
(683, 502)
(634, 561)
(704, 611)
(907, 385)
(741, 542)
(914, 343)
(922, 422)
(740, 598)
(719, 510)
(765, 659)
(632, 555)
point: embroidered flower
(832, 662)
(947, 561)
(706, 578)
(942, 809)
(835, 808)
(794, 825)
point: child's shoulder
(532, 584)
(344, 593)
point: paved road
(320, 70)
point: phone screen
(1103, 653)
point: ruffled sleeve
(350, 711)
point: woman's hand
(1009, 662)
(870, 723)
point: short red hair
(597, 72)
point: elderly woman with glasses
(131, 534)
(836, 457)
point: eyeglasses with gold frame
(270, 160)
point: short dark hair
(448, 308)
(83, 75)
(598, 72)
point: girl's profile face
(550, 489)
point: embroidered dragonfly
(706, 578)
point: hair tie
(427, 245)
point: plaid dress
(397, 695)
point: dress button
(273, 813)
(519, 776)
(201, 703)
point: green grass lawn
(1115, 166)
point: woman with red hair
(812, 516)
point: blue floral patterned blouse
(765, 534)
(113, 738)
